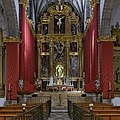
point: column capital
(106, 38)
(51, 44)
(67, 44)
(11, 39)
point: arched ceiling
(8, 18)
(10, 24)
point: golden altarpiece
(60, 47)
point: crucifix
(59, 23)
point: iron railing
(34, 113)
(40, 112)
(76, 112)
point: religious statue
(59, 7)
(59, 50)
(59, 23)
(59, 71)
(118, 75)
(51, 81)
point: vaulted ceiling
(9, 12)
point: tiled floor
(59, 104)
(59, 115)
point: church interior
(60, 52)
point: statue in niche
(45, 47)
(115, 31)
(118, 75)
(45, 29)
(59, 74)
(51, 81)
(74, 66)
(45, 66)
(73, 47)
(59, 50)
(73, 29)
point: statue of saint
(118, 75)
(59, 71)
(51, 81)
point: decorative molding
(88, 21)
(59, 37)
(11, 39)
(66, 10)
(106, 38)
(30, 22)
(94, 3)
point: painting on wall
(73, 47)
(45, 47)
(45, 71)
(74, 64)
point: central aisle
(59, 103)
(59, 115)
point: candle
(9, 87)
(109, 86)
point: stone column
(80, 59)
(80, 63)
(12, 66)
(2, 64)
(67, 58)
(51, 25)
(67, 26)
(51, 57)
(39, 58)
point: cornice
(57, 37)
(11, 39)
(106, 38)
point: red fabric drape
(27, 63)
(106, 69)
(91, 53)
(12, 69)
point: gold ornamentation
(94, 2)
(106, 38)
(58, 37)
(11, 39)
(24, 2)
(66, 10)
(88, 21)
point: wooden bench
(9, 111)
(7, 116)
(105, 111)
(111, 116)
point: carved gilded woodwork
(57, 37)
(63, 47)
(88, 21)
(1, 37)
(106, 38)
(11, 39)
(94, 2)
(30, 21)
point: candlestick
(9, 87)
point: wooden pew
(105, 111)
(112, 116)
(9, 111)
(7, 116)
